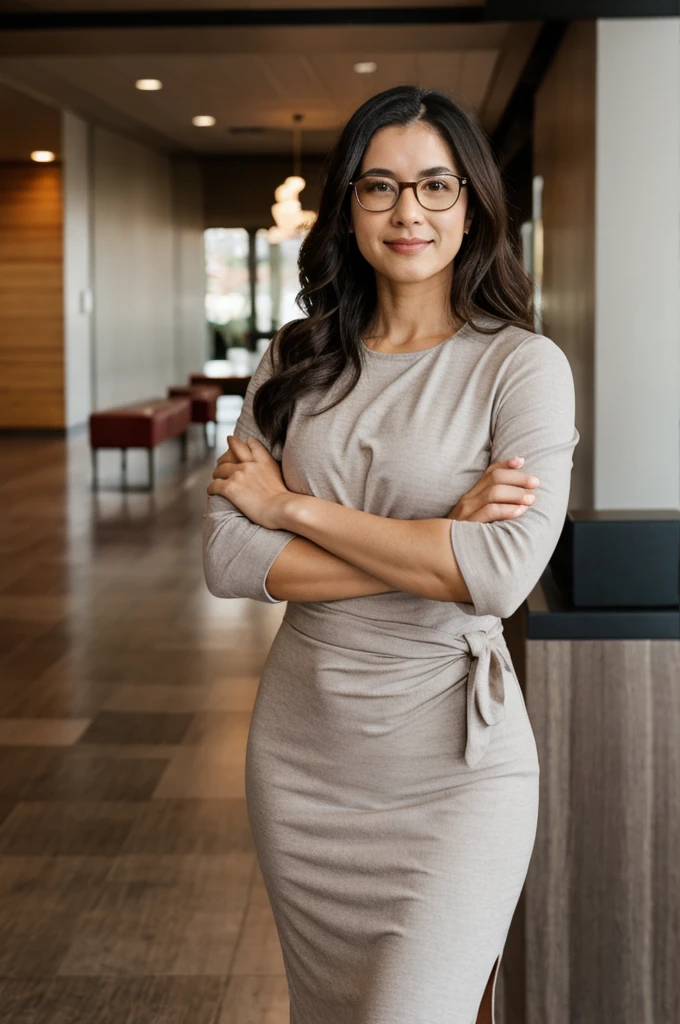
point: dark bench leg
(151, 478)
(95, 481)
(184, 439)
(123, 467)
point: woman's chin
(411, 274)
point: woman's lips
(408, 248)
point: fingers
(499, 475)
(259, 453)
(500, 493)
(506, 493)
(214, 487)
(251, 450)
(240, 449)
(495, 511)
(223, 470)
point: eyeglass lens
(378, 194)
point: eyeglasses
(378, 194)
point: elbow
(501, 596)
(216, 581)
(497, 593)
(505, 603)
(217, 560)
(501, 602)
(500, 564)
(237, 555)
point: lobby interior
(138, 256)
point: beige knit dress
(391, 768)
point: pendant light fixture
(291, 221)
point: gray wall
(133, 271)
(133, 231)
(191, 330)
(77, 257)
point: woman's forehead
(407, 150)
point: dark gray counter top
(551, 617)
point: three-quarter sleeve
(533, 416)
(237, 553)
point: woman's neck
(411, 315)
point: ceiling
(253, 78)
(26, 125)
(215, 5)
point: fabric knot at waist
(485, 689)
(486, 649)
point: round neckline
(415, 352)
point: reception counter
(596, 934)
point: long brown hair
(338, 293)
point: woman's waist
(403, 628)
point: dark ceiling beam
(483, 13)
(515, 127)
(579, 10)
(258, 18)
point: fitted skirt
(392, 790)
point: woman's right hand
(503, 492)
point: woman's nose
(408, 207)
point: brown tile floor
(129, 887)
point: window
(250, 286)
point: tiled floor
(129, 887)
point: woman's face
(409, 153)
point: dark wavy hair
(338, 292)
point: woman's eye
(442, 185)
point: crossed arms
(308, 549)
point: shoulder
(513, 350)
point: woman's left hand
(253, 483)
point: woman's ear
(468, 220)
(347, 221)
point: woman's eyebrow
(425, 173)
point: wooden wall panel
(564, 154)
(31, 296)
(596, 936)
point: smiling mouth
(409, 247)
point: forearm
(303, 571)
(411, 555)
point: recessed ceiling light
(365, 67)
(149, 84)
(42, 156)
(203, 120)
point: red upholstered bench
(139, 425)
(203, 403)
(227, 385)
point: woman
(391, 769)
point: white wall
(637, 322)
(133, 271)
(77, 321)
(191, 329)
(133, 234)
